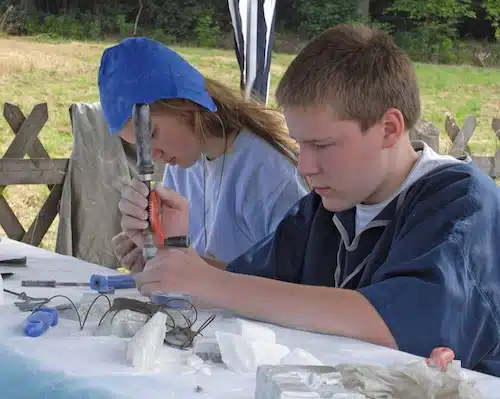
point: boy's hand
(181, 270)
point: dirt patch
(22, 56)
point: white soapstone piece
(255, 331)
(194, 362)
(172, 356)
(362, 381)
(299, 395)
(126, 323)
(291, 381)
(144, 347)
(300, 357)
(197, 364)
(123, 324)
(207, 349)
(326, 384)
(243, 355)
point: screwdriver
(141, 116)
(51, 283)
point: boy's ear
(394, 126)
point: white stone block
(207, 349)
(194, 362)
(243, 355)
(144, 347)
(297, 382)
(255, 331)
(300, 357)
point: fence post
(427, 132)
(39, 169)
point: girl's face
(174, 140)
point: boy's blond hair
(359, 71)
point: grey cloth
(414, 380)
(89, 216)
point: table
(69, 363)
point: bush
(319, 15)
(206, 30)
(13, 21)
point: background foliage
(443, 31)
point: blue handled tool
(108, 284)
(40, 320)
(173, 300)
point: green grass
(462, 91)
(33, 72)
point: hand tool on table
(29, 303)
(51, 283)
(102, 284)
(172, 300)
(14, 262)
(108, 284)
(40, 320)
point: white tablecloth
(68, 363)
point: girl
(231, 158)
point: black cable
(90, 307)
(60, 296)
(187, 331)
(183, 334)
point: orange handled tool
(154, 218)
(155, 224)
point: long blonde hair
(233, 114)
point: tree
(492, 8)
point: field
(33, 72)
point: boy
(396, 245)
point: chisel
(51, 283)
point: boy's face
(343, 165)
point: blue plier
(40, 320)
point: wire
(178, 336)
(90, 307)
(82, 324)
(59, 296)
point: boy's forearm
(319, 309)
(215, 263)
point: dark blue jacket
(429, 262)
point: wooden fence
(38, 169)
(41, 169)
(459, 138)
